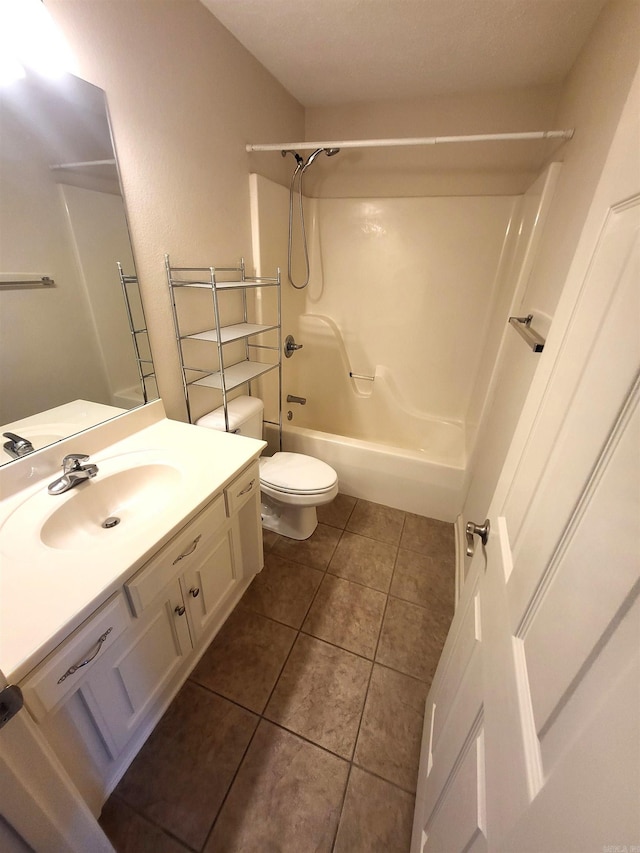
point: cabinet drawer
(183, 550)
(65, 668)
(243, 488)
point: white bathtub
(412, 480)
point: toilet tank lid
(240, 410)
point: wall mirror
(68, 358)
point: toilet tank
(245, 417)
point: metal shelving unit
(138, 328)
(227, 376)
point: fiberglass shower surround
(407, 294)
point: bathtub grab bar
(361, 376)
(522, 325)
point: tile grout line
(366, 696)
(152, 822)
(261, 716)
(341, 810)
(231, 783)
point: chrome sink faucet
(73, 472)
(17, 446)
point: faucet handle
(290, 346)
(71, 461)
(17, 446)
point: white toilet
(292, 485)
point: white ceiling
(345, 51)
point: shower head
(328, 151)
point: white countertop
(45, 593)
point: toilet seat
(297, 474)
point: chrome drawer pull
(195, 591)
(180, 609)
(193, 547)
(246, 489)
(76, 666)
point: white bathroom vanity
(101, 625)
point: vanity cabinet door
(141, 666)
(185, 550)
(243, 506)
(75, 659)
(104, 721)
(206, 586)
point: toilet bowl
(292, 485)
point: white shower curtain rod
(418, 140)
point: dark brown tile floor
(299, 730)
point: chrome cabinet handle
(194, 591)
(481, 530)
(189, 551)
(76, 666)
(246, 488)
(180, 609)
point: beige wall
(592, 102)
(469, 169)
(184, 98)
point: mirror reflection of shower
(296, 186)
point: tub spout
(291, 398)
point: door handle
(481, 530)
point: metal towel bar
(522, 325)
(25, 280)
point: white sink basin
(128, 494)
(127, 498)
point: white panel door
(569, 537)
(532, 733)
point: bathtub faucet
(291, 398)
(290, 346)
